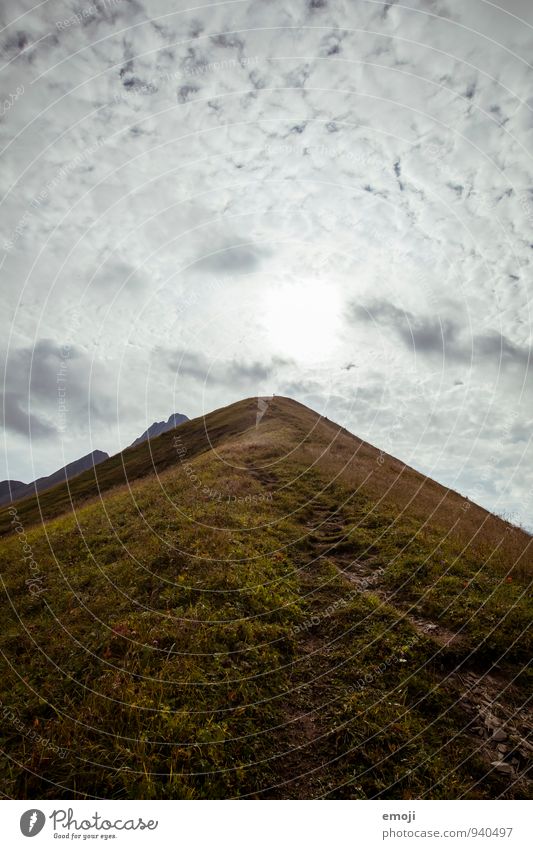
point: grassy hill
(259, 604)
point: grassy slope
(280, 612)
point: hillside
(9, 490)
(259, 604)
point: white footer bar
(269, 824)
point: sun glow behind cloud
(302, 319)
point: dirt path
(500, 732)
(364, 575)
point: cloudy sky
(326, 199)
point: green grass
(189, 644)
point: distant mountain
(14, 490)
(157, 428)
(11, 490)
(8, 490)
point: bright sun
(302, 318)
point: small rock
(503, 767)
(499, 735)
(491, 721)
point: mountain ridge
(15, 490)
(157, 428)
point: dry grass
(197, 637)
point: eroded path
(499, 728)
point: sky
(326, 199)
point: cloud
(424, 335)
(231, 259)
(19, 420)
(60, 384)
(496, 347)
(381, 151)
(232, 373)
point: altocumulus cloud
(444, 337)
(380, 151)
(241, 374)
(47, 373)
